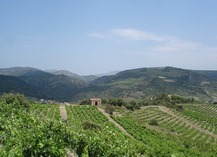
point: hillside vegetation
(130, 84)
(38, 130)
(147, 82)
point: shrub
(117, 102)
(104, 101)
(179, 108)
(109, 109)
(85, 102)
(132, 105)
(153, 122)
(17, 100)
(90, 125)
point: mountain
(15, 85)
(17, 71)
(67, 73)
(129, 84)
(210, 74)
(107, 74)
(146, 82)
(45, 85)
(87, 79)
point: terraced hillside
(102, 137)
(185, 123)
(203, 115)
(78, 116)
(175, 133)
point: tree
(104, 101)
(17, 100)
(117, 102)
(132, 105)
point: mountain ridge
(137, 83)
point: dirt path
(63, 112)
(167, 110)
(116, 124)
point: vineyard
(179, 123)
(174, 130)
(45, 111)
(39, 130)
(203, 115)
(109, 136)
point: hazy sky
(97, 36)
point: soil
(63, 112)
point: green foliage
(202, 112)
(126, 84)
(17, 100)
(85, 102)
(160, 145)
(171, 101)
(117, 102)
(110, 141)
(104, 101)
(179, 108)
(85, 152)
(42, 133)
(25, 135)
(181, 100)
(109, 109)
(90, 125)
(153, 122)
(132, 105)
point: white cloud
(97, 35)
(134, 34)
(159, 43)
(162, 43)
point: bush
(117, 102)
(104, 101)
(17, 100)
(90, 125)
(179, 108)
(109, 109)
(85, 102)
(153, 122)
(132, 105)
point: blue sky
(98, 36)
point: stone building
(95, 101)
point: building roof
(95, 99)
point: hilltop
(129, 84)
(146, 82)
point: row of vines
(170, 135)
(38, 130)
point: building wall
(96, 102)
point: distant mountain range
(130, 84)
